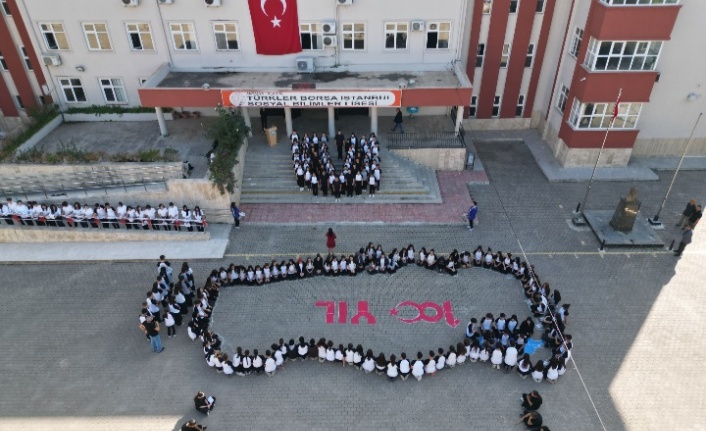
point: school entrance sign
(312, 99)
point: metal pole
(590, 182)
(655, 219)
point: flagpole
(654, 221)
(577, 219)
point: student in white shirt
(258, 362)
(330, 352)
(185, 218)
(451, 357)
(392, 369)
(404, 366)
(418, 367)
(460, 354)
(170, 323)
(270, 364)
(510, 357)
(369, 362)
(538, 372)
(430, 364)
(161, 218)
(172, 215)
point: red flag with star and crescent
(276, 26)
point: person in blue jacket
(472, 214)
(236, 214)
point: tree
(228, 133)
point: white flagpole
(605, 138)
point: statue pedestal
(625, 215)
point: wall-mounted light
(691, 97)
(80, 68)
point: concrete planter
(41, 134)
(146, 116)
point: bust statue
(632, 195)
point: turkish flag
(276, 26)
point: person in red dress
(330, 241)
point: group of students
(314, 167)
(103, 216)
(531, 402)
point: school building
(555, 65)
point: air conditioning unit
(417, 25)
(329, 27)
(131, 2)
(305, 65)
(51, 59)
(344, 2)
(166, 1)
(330, 41)
(212, 3)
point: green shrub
(40, 118)
(230, 131)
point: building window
(97, 36)
(513, 6)
(3, 63)
(540, 6)
(140, 36)
(25, 57)
(438, 34)
(54, 35)
(599, 115)
(496, 106)
(226, 36)
(42, 100)
(505, 57)
(612, 55)
(396, 35)
(73, 90)
(113, 90)
(20, 105)
(639, 2)
(563, 98)
(530, 55)
(183, 36)
(5, 8)
(353, 36)
(487, 6)
(474, 105)
(312, 36)
(520, 108)
(480, 55)
(576, 40)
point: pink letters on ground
(440, 311)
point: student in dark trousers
(236, 214)
(398, 121)
(688, 211)
(472, 214)
(685, 240)
(339, 144)
(263, 119)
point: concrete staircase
(268, 178)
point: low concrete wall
(441, 159)
(497, 124)
(30, 169)
(41, 134)
(668, 147)
(145, 116)
(44, 234)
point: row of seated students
(103, 215)
(314, 168)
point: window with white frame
(473, 107)
(183, 36)
(438, 35)
(520, 108)
(640, 2)
(529, 59)
(226, 36)
(97, 36)
(54, 35)
(353, 36)
(622, 55)
(312, 35)
(113, 90)
(496, 106)
(5, 8)
(513, 5)
(563, 98)
(480, 55)
(25, 57)
(140, 36)
(599, 115)
(72, 89)
(20, 105)
(3, 63)
(487, 6)
(540, 6)
(505, 56)
(396, 35)
(576, 40)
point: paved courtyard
(73, 358)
